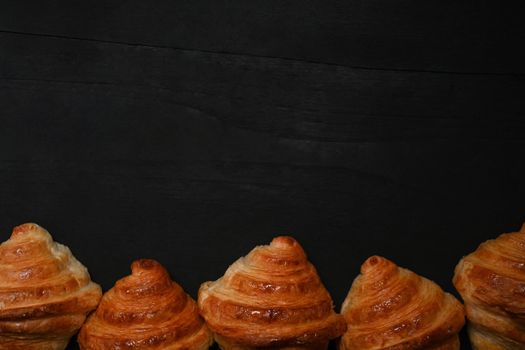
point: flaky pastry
(145, 310)
(491, 281)
(391, 308)
(271, 298)
(45, 293)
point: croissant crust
(271, 298)
(491, 281)
(45, 293)
(391, 308)
(146, 310)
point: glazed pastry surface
(145, 310)
(491, 281)
(271, 298)
(391, 308)
(45, 293)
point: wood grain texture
(189, 132)
(466, 36)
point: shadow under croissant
(465, 343)
(225, 344)
(10, 343)
(482, 338)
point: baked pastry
(392, 308)
(145, 310)
(45, 293)
(491, 281)
(271, 298)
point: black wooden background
(191, 131)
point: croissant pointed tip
(27, 227)
(141, 265)
(522, 229)
(283, 241)
(374, 262)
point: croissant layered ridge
(145, 310)
(391, 308)
(271, 298)
(491, 281)
(45, 293)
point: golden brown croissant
(391, 308)
(45, 293)
(492, 283)
(145, 310)
(271, 298)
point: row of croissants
(270, 299)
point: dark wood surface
(192, 131)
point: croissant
(45, 293)
(271, 298)
(392, 308)
(491, 281)
(145, 310)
